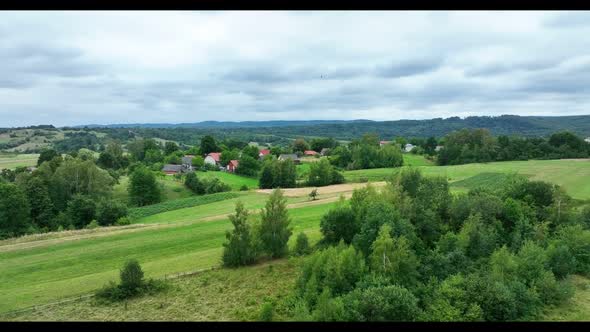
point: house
(232, 165)
(187, 162)
(325, 151)
(170, 169)
(291, 156)
(263, 152)
(213, 158)
(381, 143)
(438, 148)
(310, 153)
(587, 139)
(409, 147)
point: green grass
(46, 273)
(12, 161)
(416, 160)
(234, 180)
(171, 189)
(577, 308)
(572, 175)
(180, 203)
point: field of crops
(12, 161)
(572, 175)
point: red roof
(234, 163)
(309, 153)
(215, 156)
(264, 152)
(384, 142)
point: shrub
(266, 312)
(131, 275)
(244, 188)
(92, 225)
(302, 245)
(123, 221)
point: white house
(409, 147)
(213, 158)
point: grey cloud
(409, 68)
(569, 20)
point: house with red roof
(263, 153)
(309, 153)
(232, 165)
(213, 158)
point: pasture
(573, 174)
(235, 181)
(12, 161)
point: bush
(266, 312)
(244, 188)
(131, 275)
(302, 245)
(109, 211)
(92, 225)
(123, 221)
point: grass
(12, 161)
(235, 181)
(171, 189)
(416, 160)
(577, 309)
(218, 295)
(180, 203)
(48, 272)
(572, 175)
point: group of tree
(414, 252)
(478, 145)
(204, 186)
(366, 153)
(277, 174)
(62, 193)
(246, 243)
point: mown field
(43, 271)
(12, 161)
(573, 175)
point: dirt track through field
(336, 188)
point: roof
(384, 142)
(310, 152)
(289, 156)
(215, 155)
(171, 168)
(235, 163)
(264, 152)
(187, 159)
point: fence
(87, 296)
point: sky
(75, 68)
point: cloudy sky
(70, 68)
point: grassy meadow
(572, 175)
(12, 161)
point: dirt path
(336, 188)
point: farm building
(291, 156)
(381, 143)
(170, 169)
(409, 147)
(187, 162)
(309, 153)
(232, 165)
(213, 158)
(325, 151)
(438, 148)
(263, 153)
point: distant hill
(342, 129)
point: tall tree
(46, 155)
(14, 211)
(238, 250)
(274, 228)
(208, 144)
(143, 187)
(170, 147)
(41, 206)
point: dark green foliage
(14, 211)
(109, 211)
(131, 285)
(302, 245)
(208, 145)
(248, 166)
(251, 150)
(42, 212)
(339, 223)
(192, 182)
(322, 173)
(170, 147)
(274, 227)
(366, 153)
(143, 187)
(278, 174)
(46, 155)
(81, 211)
(387, 303)
(238, 250)
(266, 312)
(131, 274)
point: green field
(572, 175)
(234, 180)
(171, 189)
(45, 272)
(12, 161)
